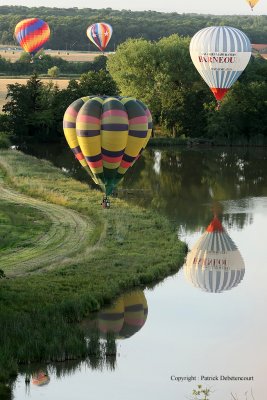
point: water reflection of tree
(101, 354)
(190, 180)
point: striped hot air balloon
(32, 34)
(123, 319)
(100, 34)
(107, 134)
(220, 54)
(214, 264)
(110, 320)
(135, 313)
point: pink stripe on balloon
(125, 164)
(111, 159)
(89, 119)
(114, 113)
(71, 111)
(138, 120)
(95, 164)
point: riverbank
(89, 256)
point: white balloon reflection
(214, 264)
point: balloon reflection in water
(40, 379)
(214, 264)
(124, 318)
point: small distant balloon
(32, 34)
(220, 54)
(100, 34)
(252, 3)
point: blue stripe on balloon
(98, 157)
(112, 153)
(76, 150)
(128, 158)
(67, 124)
(87, 133)
(97, 38)
(114, 127)
(34, 27)
(139, 134)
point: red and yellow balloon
(32, 34)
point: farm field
(62, 84)
(74, 56)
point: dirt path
(66, 240)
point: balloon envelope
(100, 34)
(124, 318)
(32, 34)
(107, 135)
(214, 264)
(220, 54)
(252, 3)
(40, 379)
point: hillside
(68, 26)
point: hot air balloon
(32, 34)
(252, 3)
(100, 34)
(124, 318)
(214, 264)
(107, 135)
(40, 379)
(220, 54)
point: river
(202, 326)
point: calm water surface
(178, 329)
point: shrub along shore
(43, 297)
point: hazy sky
(186, 6)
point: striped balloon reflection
(214, 264)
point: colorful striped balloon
(107, 134)
(135, 313)
(220, 54)
(124, 318)
(32, 34)
(100, 34)
(214, 264)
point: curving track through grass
(66, 238)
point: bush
(4, 140)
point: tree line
(162, 75)
(68, 26)
(43, 62)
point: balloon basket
(105, 202)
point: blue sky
(196, 6)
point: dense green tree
(242, 116)
(163, 76)
(53, 72)
(97, 83)
(29, 109)
(35, 111)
